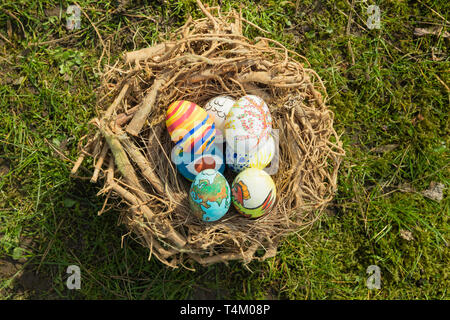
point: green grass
(390, 92)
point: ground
(388, 88)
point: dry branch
(147, 53)
(99, 163)
(136, 124)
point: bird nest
(131, 147)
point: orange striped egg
(190, 126)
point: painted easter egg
(190, 126)
(239, 160)
(189, 164)
(218, 107)
(253, 193)
(210, 195)
(248, 123)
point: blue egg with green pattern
(210, 195)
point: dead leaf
(385, 148)
(67, 77)
(416, 119)
(407, 235)
(19, 81)
(435, 191)
(437, 55)
(437, 31)
(54, 12)
(4, 169)
(9, 29)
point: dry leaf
(407, 235)
(437, 55)
(416, 119)
(4, 169)
(435, 191)
(385, 148)
(437, 31)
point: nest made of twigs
(131, 147)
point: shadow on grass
(111, 266)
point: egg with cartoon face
(248, 123)
(253, 193)
(189, 164)
(190, 127)
(240, 159)
(210, 195)
(218, 107)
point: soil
(26, 283)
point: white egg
(253, 193)
(218, 108)
(248, 123)
(239, 160)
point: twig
(442, 82)
(99, 163)
(170, 233)
(6, 39)
(81, 157)
(255, 26)
(208, 14)
(435, 12)
(93, 25)
(116, 102)
(349, 22)
(15, 18)
(143, 164)
(136, 124)
(147, 53)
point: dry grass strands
(205, 58)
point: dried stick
(116, 101)
(99, 163)
(147, 53)
(136, 124)
(224, 257)
(84, 151)
(208, 14)
(172, 234)
(165, 253)
(143, 164)
(168, 233)
(123, 163)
